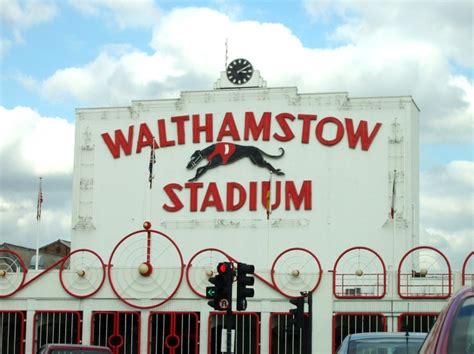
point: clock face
(239, 71)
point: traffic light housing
(220, 294)
(244, 280)
(298, 312)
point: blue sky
(71, 38)
(56, 56)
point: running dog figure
(225, 153)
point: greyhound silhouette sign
(225, 153)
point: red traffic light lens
(222, 268)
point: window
(285, 337)
(461, 337)
(348, 323)
(174, 332)
(416, 322)
(118, 330)
(12, 332)
(57, 327)
(246, 329)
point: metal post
(310, 310)
(228, 324)
(309, 296)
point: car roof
(367, 335)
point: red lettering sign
(284, 128)
(200, 198)
(120, 142)
(360, 134)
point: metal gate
(173, 333)
(120, 331)
(286, 338)
(56, 327)
(416, 322)
(12, 332)
(246, 329)
(348, 323)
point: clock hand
(245, 67)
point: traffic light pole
(309, 295)
(310, 326)
(228, 324)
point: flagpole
(38, 223)
(150, 181)
(269, 211)
(226, 50)
(394, 231)
(268, 197)
(393, 215)
(37, 243)
(393, 258)
(151, 176)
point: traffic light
(221, 293)
(298, 312)
(244, 278)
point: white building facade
(164, 190)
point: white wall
(351, 188)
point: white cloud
(136, 13)
(409, 47)
(18, 224)
(18, 16)
(6, 205)
(447, 209)
(456, 246)
(57, 220)
(318, 9)
(457, 124)
(447, 24)
(42, 145)
(31, 146)
(111, 80)
(190, 53)
(28, 82)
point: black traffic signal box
(245, 280)
(220, 294)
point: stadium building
(318, 191)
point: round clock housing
(239, 71)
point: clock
(239, 71)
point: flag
(268, 205)
(39, 203)
(151, 163)
(394, 195)
(268, 198)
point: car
(382, 343)
(453, 331)
(72, 349)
